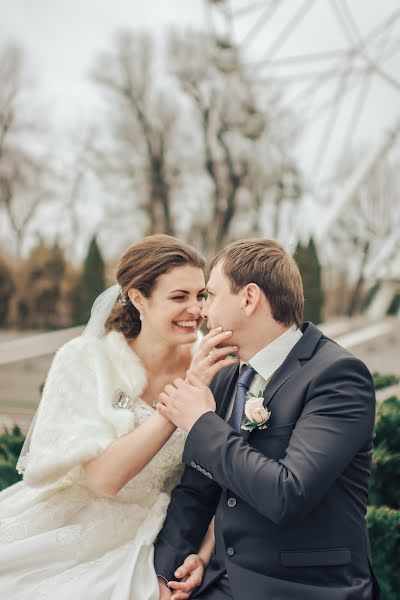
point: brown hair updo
(139, 267)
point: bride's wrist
(164, 421)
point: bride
(100, 462)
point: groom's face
(223, 307)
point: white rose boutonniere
(257, 415)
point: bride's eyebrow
(186, 291)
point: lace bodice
(163, 471)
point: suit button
(232, 502)
(193, 464)
(231, 551)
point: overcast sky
(63, 37)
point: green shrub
(384, 381)
(385, 474)
(387, 424)
(10, 447)
(384, 482)
(384, 534)
(384, 518)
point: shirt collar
(270, 358)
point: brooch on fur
(122, 400)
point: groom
(286, 474)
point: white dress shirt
(268, 360)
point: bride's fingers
(210, 335)
(212, 342)
(219, 353)
(226, 362)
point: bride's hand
(191, 575)
(209, 359)
(165, 592)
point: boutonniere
(257, 415)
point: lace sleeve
(69, 427)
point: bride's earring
(141, 316)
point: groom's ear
(251, 298)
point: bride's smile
(171, 314)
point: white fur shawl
(76, 419)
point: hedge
(384, 534)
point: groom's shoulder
(320, 353)
(330, 356)
(316, 345)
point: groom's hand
(184, 402)
(165, 592)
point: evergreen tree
(91, 283)
(310, 269)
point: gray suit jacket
(289, 500)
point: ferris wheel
(337, 69)
(337, 65)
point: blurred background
(209, 120)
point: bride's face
(173, 311)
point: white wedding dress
(60, 540)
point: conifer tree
(310, 269)
(91, 282)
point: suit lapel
(286, 370)
(302, 351)
(224, 389)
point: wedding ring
(210, 357)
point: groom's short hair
(266, 263)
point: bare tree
(142, 120)
(22, 168)
(374, 216)
(190, 144)
(242, 147)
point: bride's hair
(139, 267)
